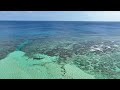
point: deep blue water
(30, 28)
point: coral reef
(94, 57)
(98, 57)
(7, 46)
(106, 65)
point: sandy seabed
(18, 66)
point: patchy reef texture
(17, 66)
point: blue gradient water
(34, 37)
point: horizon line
(59, 21)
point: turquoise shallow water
(93, 48)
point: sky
(60, 15)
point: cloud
(61, 15)
(103, 15)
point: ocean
(59, 49)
